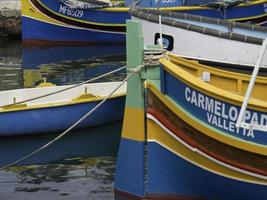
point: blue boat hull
(49, 21)
(44, 33)
(59, 118)
(172, 175)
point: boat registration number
(168, 1)
(71, 12)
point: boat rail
(241, 117)
(174, 19)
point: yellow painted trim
(225, 73)
(208, 89)
(247, 18)
(133, 124)
(116, 9)
(156, 133)
(205, 128)
(83, 21)
(28, 10)
(74, 101)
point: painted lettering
(224, 116)
(71, 12)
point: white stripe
(151, 117)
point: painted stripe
(73, 27)
(168, 142)
(30, 106)
(206, 128)
(197, 150)
(71, 18)
(71, 21)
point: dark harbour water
(79, 166)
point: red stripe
(163, 119)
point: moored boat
(209, 40)
(185, 143)
(59, 22)
(57, 112)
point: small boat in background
(59, 111)
(208, 40)
(67, 22)
(186, 143)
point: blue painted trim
(55, 119)
(168, 174)
(130, 167)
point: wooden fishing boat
(59, 111)
(186, 143)
(209, 40)
(64, 22)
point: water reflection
(73, 72)
(99, 141)
(11, 73)
(90, 178)
(80, 165)
(36, 56)
(60, 65)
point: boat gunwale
(152, 16)
(65, 102)
(209, 89)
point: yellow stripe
(248, 18)
(116, 9)
(29, 11)
(205, 128)
(209, 89)
(51, 105)
(78, 20)
(155, 132)
(133, 124)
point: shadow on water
(99, 141)
(79, 166)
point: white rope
(70, 128)
(65, 89)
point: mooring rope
(65, 89)
(75, 124)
